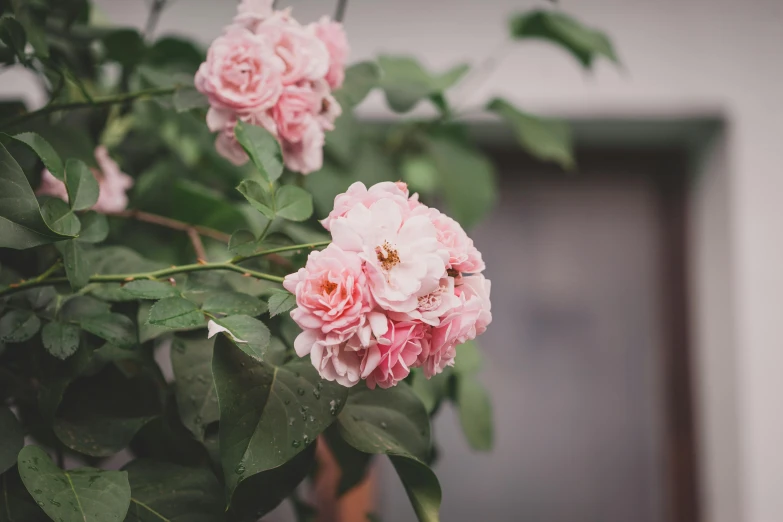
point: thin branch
(97, 102)
(231, 265)
(198, 246)
(339, 14)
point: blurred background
(636, 350)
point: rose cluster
(269, 70)
(399, 287)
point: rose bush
(156, 230)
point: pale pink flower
(306, 155)
(477, 286)
(328, 108)
(251, 13)
(433, 306)
(112, 184)
(358, 194)
(403, 259)
(295, 111)
(332, 295)
(339, 362)
(241, 72)
(457, 327)
(333, 36)
(389, 360)
(304, 56)
(463, 256)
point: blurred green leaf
(60, 339)
(22, 224)
(125, 46)
(430, 391)
(48, 155)
(94, 227)
(422, 486)
(115, 328)
(18, 326)
(468, 360)
(360, 79)
(242, 243)
(187, 98)
(232, 303)
(191, 360)
(77, 308)
(162, 492)
(145, 289)
(81, 184)
(11, 438)
(475, 412)
(77, 495)
(263, 149)
(77, 266)
(583, 43)
(353, 463)
(12, 35)
(18, 504)
(545, 139)
(406, 83)
(467, 178)
(175, 312)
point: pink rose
(295, 111)
(358, 194)
(251, 13)
(403, 259)
(389, 360)
(328, 108)
(477, 286)
(112, 184)
(433, 306)
(457, 327)
(463, 256)
(333, 36)
(332, 296)
(304, 56)
(241, 73)
(339, 362)
(306, 155)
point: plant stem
(154, 16)
(174, 224)
(339, 14)
(231, 265)
(97, 102)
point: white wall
(682, 57)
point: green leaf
(242, 243)
(12, 34)
(360, 79)
(467, 178)
(60, 218)
(146, 289)
(268, 414)
(95, 227)
(48, 155)
(253, 333)
(430, 391)
(115, 328)
(277, 484)
(545, 139)
(395, 422)
(18, 326)
(79, 495)
(175, 312)
(583, 42)
(99, 415)
(191, 360)
(60, 339)
(162, 492)
(386, 421)
(406, 83)
(188, 98)
(475, 412)
(125, 46)
(263, 149)
(280, 302)
(21, 223)
(232, 303)
(11, 438)
(17, 505)
(259, 197)
(468, 359)
(78, 308)
(77, 267)
(81, 184)
(293, 203)
(421, 485)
